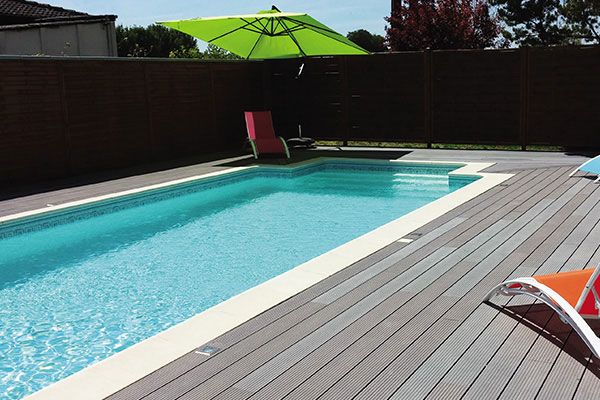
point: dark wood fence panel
(180, 101)
(60, 116)
(107, 117)
(237, 87)
(286, 96)
(476, 96)
(32, 136)
(314, 100)
(564, 96)
(387, 97)
(322, 109)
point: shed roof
(21, 13)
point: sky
(350, 16)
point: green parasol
(268, 34)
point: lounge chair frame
(567, 313)
(255, 149)
(584, 164)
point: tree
(584, 16)
(534, 22)
(368, 41)
(212, 52)
(152, 41)
(441, 24)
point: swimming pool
(84, 283)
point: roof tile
(34, 11)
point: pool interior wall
(84, 283)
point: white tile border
(112, 374)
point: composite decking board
(446, 306)
(589, 387)
(189, 361)
(485, 199)
(590, 380)
(455, 382)
(502, 360)
(294, 352)
(589, 245)
(312, 383)
(236, 355)
(565, 362)
(509, 203)
(422, 278)
(456, 379)
(39, 200)
(508, 358)
(525, 229)
(563, 378)
(536, 368)
(392, 375)
(384, 264)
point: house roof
(23, 13)
(33, 10)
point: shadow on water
(545, 322)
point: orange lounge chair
(262, 135)
(573, 295)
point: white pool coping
(118, 371)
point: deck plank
(256, 326)
(408, 322)
(393, 375)
(469, 365)
(198, 379)
(315, 381)
(205, 387)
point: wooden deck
(407, 322)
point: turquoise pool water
(78, 286)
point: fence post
(65, 117)
(266, 85)
(524, 87)
(151, 139)
(428, 86)
(213, 98)
(347, 126)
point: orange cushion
(568, 284)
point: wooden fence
(61, 117)
(66, 117)
(528, 96)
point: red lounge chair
(572, 295)
(262, 135)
